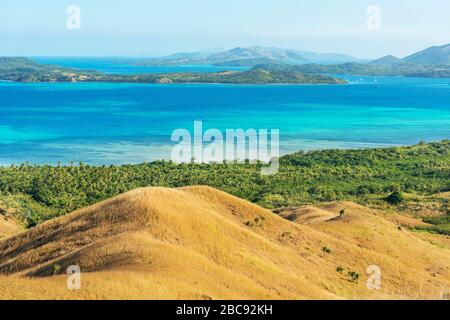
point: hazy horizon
(139, 28)
(143, 56)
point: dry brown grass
(308, 215)
(9, 226)
(200, 243)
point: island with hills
(266, 66)
(433, 62)
(25, 70)
(401, 70)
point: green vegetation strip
(304, 178)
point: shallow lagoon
(106, 123)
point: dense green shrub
(395, 198)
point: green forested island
(375, 69)
(26, 70)
(41, 192)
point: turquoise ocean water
(105, 123)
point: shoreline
(76, 163)
(179, 83)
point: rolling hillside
(200, 243)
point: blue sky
(145, 27)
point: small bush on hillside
(273, 201)
(354, 276)
(326, 250)
(256, 222)
(56, 268)
(286, 234)
(395, 198)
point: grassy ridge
(303, 178)
(201, 243)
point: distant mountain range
(433, 62)
(251, 56)
(256, 55)
(267, 65)
(433, 56)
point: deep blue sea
(104, 123)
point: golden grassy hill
(200, 243)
